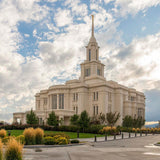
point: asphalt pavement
(139, 148)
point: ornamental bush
(13, 150)
(62, 140)
(29, 135)
(1, 150)
(49, 141)
(6, 139)
(3, 133)
(108, 130)
(55, 134)
(39, 134)
(56, 138)
(21, 139)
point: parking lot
(125, 149)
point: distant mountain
(151, 126)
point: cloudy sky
(42, 44)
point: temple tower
(92, 67)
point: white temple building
(91, 92)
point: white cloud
(143, 28)
(26, 35)
(52, 1)
(77, 8)
(134, 6)
(63, 18)
(18, 83)
(136, 65)
(108, 1)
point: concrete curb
(50, 146)
(157, 144)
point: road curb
(50, 146)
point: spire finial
(93, 25)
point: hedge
(71, 128)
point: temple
(91, 92)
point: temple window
(87, 72)
(61, 101)
(95, 96)
(95, 110)
(75, 97)
(54, 101)
(140, 112)
(98, 72)
(45, 101)
(109, 96)
(89, 54)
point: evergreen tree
(74, 119)
(138, 122)
(127, 121)
(112, 118)
(52, 119)
(32, 118)
(84, 120)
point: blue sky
(42, 43)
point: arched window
(89, 54)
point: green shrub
(29, 135)
(39, 134)
(3, 133)
(56, 138)
(21, 139)
(94, 129)
(49, 141)
(70, 128)
(13, 150)
(55, 134)
(75, 141)
(1, 150)
(61, 140)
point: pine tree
(84, 120)
(32, 118)
(74, 119)
(52, 119)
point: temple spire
(93, 25)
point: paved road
(140, 148)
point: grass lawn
(72, 135)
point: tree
(138, 122)
(52, 119)
(74, 119)
(84, 120)
(112, 118)
(32, 118)
(95, 120)
(98, 119)
(127, 121)
(102, 118)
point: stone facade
(91, 92)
